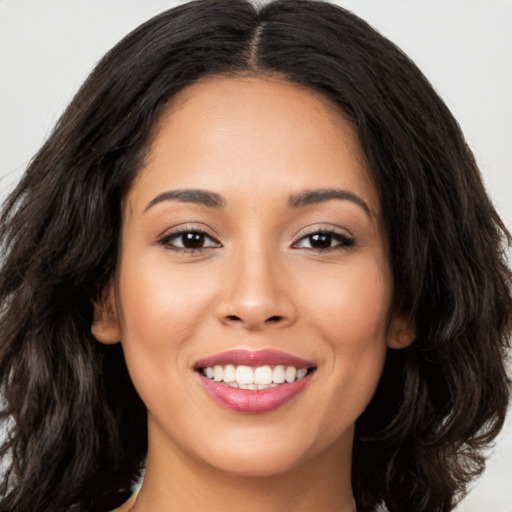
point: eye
(324, 240)
(189, 241)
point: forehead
(234, 133)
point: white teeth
(261, 377)
(244, 375)
(278, 375)
(301, 372)
(290, 374)
(229, 373)
(218, 373)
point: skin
(255, 142)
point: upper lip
(254, 358)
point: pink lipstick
(254, 358)
(254, 381)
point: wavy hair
(75, 427)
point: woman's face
(253, 250)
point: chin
(267, 453)
(265, 463)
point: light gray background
(47, 48)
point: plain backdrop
(48, 47)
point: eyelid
(198, 227)
(347, 240)
(324, 228)
(168, 235)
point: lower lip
(253, 401)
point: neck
(176, 482)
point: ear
(401, 332)
(105, 327)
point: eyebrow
(194, 196)
(309, 197)
(300, 200)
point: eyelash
(343, 241)
(166, 241)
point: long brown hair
(76, 429)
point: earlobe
(401, 332)
(105, 327)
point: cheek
(161, 309)
(350, 311)
(351, 303)
(161, 304)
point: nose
(257, 293)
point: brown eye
(324, 240)
(320, 241)
(193, 240)
(189, 241)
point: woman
(257, 252)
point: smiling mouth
(254, 378)
(254, 381)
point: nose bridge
(256, 281)
(256, 294)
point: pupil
(193, 240)
(320, 241)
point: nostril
(252, 322)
